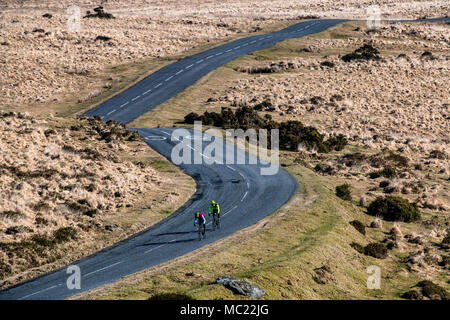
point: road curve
(245, 197)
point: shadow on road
(169, 242)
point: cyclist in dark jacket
(199, 218)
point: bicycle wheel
(214, 222)
(199, 232)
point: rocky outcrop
(241, 286)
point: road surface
(245, 197)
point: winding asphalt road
(245, 195)
(172, 79)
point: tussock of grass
(11, 214)
(163, 166)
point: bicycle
(201, 231)
(216, 221)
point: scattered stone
(323, 275)
(112, 227)
(377, 223)
(396, 232)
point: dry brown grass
(57, 71)
(57, 173)
(62, 71)
(251, 9)
(397, 104)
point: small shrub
(397, 159)
(64, 234)
(41, 205)
(102, 38)
(344, 192)
(366, 52)
(412, 295)
(324, 168)
(99, 13)
(433, 291)
(351, 159)
(336, 143)
(384, 183)
(191, 118)
(358, 225)
(5, 270)
(376, 250)
(292, 133)
(11, 214)
(388, 172)
(76, 127)
(437, 154)
(75, 206)
(41, 221)
(90, 213)
(357, 247)
(42, 241)
(316, 100)
(393, 208)
(427, 55)
(12, 230)
(328, 64)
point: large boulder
(241, 286)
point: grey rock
(241, 286)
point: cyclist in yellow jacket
(214, 208)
